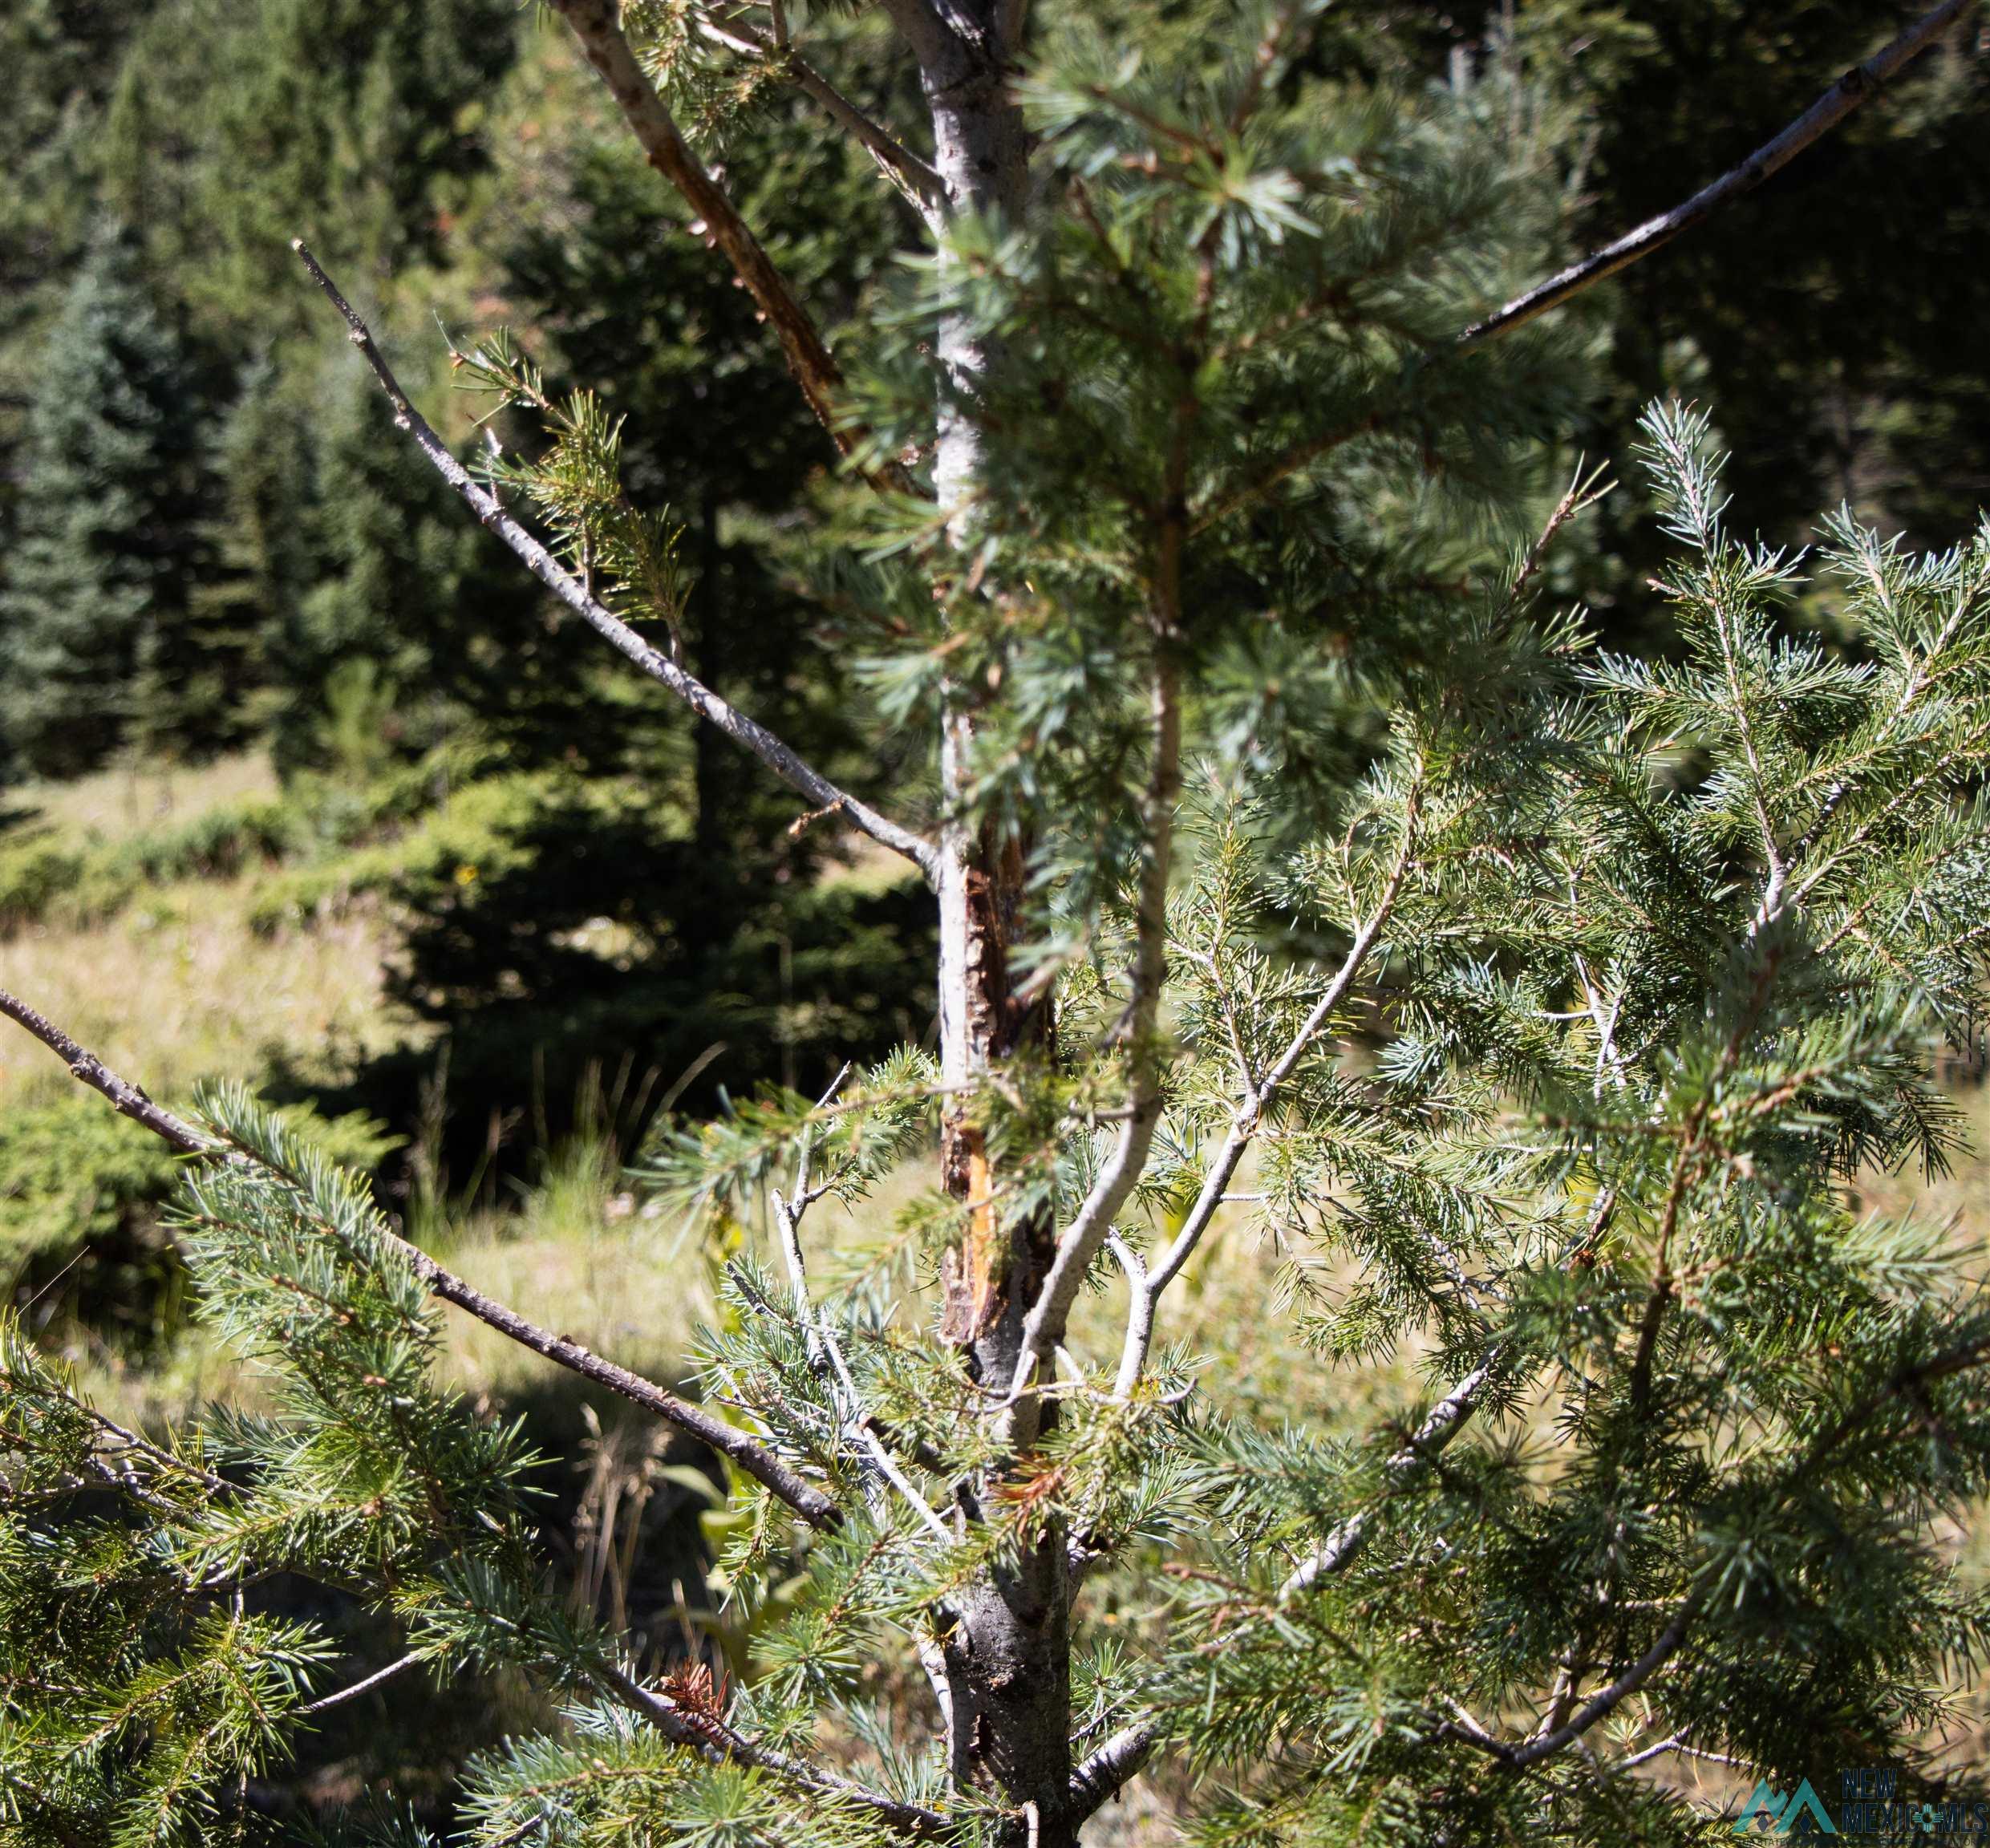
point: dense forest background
(302, 779)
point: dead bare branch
(597, 27)
(1857, 87)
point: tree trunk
(1005, 1640)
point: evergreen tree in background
(99, 628)
(231, 125)
(61, 58)
(733, 953)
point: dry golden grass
(114, 804)
(1962, 1196)
(178, 988)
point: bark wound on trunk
(978, 1272)
(1005, 1637)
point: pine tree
(61, 57)
(231, 125)
(97, 627)
(1299, 875)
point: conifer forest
(993, 922)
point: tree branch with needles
(1090, 1227)
(709, 1737)
(1249, 1115)
(1857, 88)
(1154, 1278)
(753, 1457)
(912, 176)
(1081, 1241)
(713, 1739)
(1906, 1381)
(777, 756)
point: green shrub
(44, 878)
(214, 845)
(34, 872)
(81, 1195)
(449, 848)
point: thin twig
(1043, 1326)
(824, 1343)
(596, 25)
(1244, 1124)
(826, 1349)
(758, 1461)
(1676, 1743)
(130, 1440)
(1857, 86)
(1446, 1420)
(1467, 1725)
(1441, 1423)
(1599, 1707)
(339, 1696)
(775, 755)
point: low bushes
(83, 1193)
